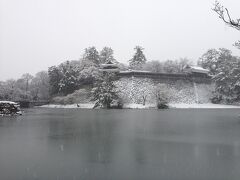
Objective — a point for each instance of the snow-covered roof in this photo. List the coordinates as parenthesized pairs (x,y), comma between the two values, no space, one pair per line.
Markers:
(8,102)
(109,70)
(128,71)
(109,65)
(197,69)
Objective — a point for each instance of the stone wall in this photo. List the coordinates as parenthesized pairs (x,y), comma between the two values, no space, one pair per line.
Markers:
(178,89)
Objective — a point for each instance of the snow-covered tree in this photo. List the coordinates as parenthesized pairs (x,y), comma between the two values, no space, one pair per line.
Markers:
(69,80)
(170,66)
(144,92)
(6,90)
(122,66)
(40,86)
(55,77)
(89,75)
(104,94)
(64,79)
(209,60)
(106,55)
(91,57)
(183,62)
(138,59)
(14,90)
(225,69)
(153,66)
(176,66)
(213,58)
(227,80)
(89,68)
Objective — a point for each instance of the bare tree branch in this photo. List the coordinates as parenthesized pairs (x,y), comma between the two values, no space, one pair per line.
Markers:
(237,44)
(221,11)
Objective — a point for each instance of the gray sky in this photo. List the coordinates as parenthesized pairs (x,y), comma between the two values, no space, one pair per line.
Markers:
(36,34)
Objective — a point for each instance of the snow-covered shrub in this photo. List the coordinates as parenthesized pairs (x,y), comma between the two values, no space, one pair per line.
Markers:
(58,100)
(78,96)
(161,96)
(216,98)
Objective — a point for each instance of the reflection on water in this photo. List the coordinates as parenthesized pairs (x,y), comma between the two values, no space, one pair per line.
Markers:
(120,144)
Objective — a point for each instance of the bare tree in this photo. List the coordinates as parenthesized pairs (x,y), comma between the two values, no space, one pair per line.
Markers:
(224,14)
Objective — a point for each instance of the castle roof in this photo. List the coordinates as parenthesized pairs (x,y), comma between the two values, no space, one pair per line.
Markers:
(196,69)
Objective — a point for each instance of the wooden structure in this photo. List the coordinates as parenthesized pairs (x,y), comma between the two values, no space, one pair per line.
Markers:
(196,70)
(167,77)
(109,67)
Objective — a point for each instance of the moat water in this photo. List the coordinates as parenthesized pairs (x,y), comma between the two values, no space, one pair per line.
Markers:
(181,144)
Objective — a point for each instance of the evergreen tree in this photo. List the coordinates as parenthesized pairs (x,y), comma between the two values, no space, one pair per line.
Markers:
(214,58)
(69,81)
(106,55)
(227,80)
(89,66)
(225,70)
(105,92)
(91,57)
(55,76)
(64,78)
(89,75)
(138,59)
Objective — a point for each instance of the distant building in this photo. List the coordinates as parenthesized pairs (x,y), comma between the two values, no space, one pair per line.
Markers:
(109,67)
(196,70)
(195,73)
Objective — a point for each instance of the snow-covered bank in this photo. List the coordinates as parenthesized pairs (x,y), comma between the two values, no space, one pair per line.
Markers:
(82,106)
(202,106)
(91,105)
(139,106)
(147,106)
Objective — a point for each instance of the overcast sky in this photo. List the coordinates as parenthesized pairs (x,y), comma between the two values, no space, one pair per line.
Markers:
(36,34)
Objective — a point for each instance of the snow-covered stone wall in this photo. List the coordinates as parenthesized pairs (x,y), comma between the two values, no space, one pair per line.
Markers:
(134,89)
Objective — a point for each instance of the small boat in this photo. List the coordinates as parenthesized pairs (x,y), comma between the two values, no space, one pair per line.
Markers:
(9,108)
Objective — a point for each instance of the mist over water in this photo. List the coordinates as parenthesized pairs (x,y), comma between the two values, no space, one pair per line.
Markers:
(121,144)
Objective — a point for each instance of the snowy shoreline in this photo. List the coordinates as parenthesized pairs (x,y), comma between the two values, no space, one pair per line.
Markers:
(148,106)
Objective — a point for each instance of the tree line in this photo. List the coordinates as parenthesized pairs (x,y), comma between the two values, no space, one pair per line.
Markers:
(26,88)
(69,76)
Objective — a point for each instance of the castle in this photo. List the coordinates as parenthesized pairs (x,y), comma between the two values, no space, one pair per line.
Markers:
(190,73)
(193,85)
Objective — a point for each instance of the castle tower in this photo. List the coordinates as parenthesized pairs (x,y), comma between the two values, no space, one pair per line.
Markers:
(109,67)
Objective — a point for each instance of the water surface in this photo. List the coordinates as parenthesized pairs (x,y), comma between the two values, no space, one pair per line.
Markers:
(180,144)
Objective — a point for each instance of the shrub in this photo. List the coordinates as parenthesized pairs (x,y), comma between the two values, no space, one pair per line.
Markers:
(117,104)
(79,96)
(161,105)
(161,96)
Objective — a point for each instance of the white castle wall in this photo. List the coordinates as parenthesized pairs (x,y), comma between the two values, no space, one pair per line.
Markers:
(132,90)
